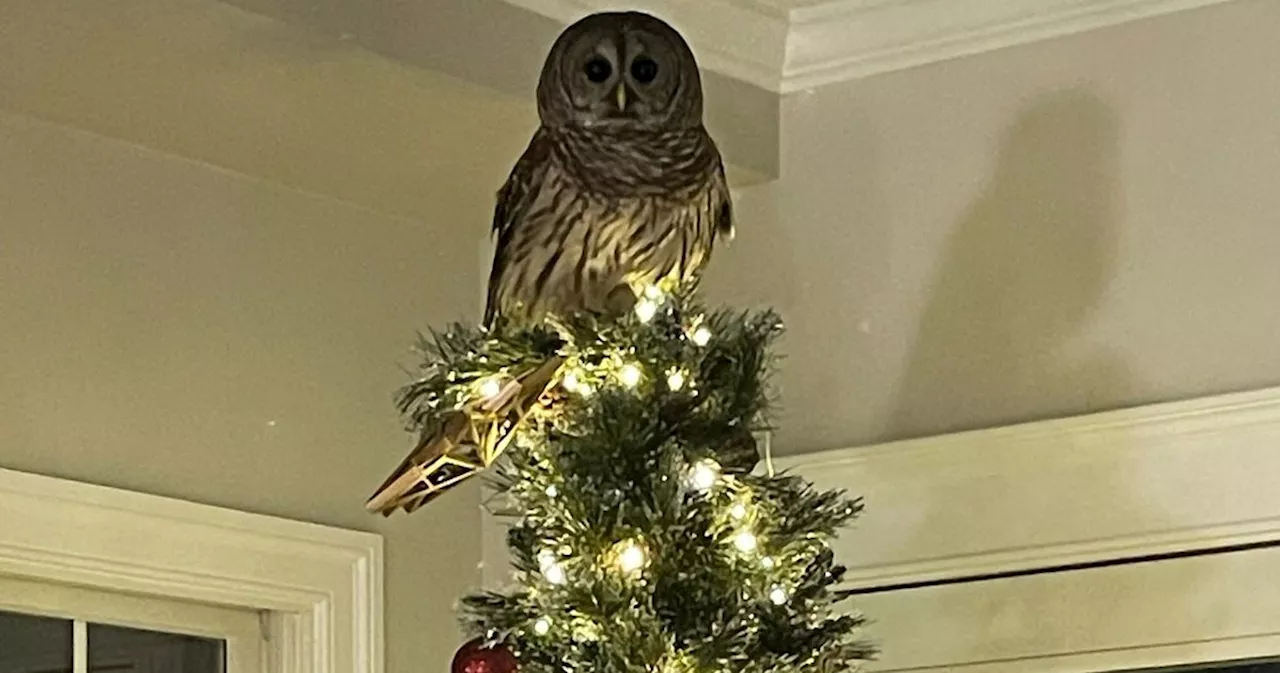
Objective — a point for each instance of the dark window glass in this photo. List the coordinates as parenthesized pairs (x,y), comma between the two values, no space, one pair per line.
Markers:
(31,644)
(1224,667)
(115,649)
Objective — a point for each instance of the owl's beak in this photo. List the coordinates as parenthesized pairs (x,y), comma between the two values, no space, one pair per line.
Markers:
(622,97)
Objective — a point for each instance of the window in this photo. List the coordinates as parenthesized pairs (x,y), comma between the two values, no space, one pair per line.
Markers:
(50,628)
(1144,539)
(131,580)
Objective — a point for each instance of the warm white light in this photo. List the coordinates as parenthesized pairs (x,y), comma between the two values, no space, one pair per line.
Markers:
(630,375)
(675,381)
(653,292)
(552,491)
(491,388)
(542,626)
(778,595)
(554,572)
(738,511)
(745,542)
(571,382)
(767,562)
(704,475)
(701,336)
(646,309)
(551,568)
(631,558)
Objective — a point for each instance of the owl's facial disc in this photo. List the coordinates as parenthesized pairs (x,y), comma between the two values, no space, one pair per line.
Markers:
(621,70)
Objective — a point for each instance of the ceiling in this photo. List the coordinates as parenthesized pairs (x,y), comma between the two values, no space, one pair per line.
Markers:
(359,100)
(794,45)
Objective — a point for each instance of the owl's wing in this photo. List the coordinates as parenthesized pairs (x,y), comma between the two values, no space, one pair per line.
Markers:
(514,199)
(723,215)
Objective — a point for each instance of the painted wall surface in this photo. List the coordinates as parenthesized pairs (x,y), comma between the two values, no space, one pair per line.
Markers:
(1064,227)
(1070,226)
(173,328)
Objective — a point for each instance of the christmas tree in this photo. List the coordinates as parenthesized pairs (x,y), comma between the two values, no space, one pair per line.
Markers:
(644,535)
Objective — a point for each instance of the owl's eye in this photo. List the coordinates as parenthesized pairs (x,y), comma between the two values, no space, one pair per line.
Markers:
(598,70)
(644,70)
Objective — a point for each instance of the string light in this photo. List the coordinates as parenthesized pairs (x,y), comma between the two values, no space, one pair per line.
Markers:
(554,573)
(778,595)
(646,309)
(571,382)
(551,568)
(630,375)
(745,542)
(701,336)
(675,380)
(491,388)
(552,491)
(768,562)
(542,627)
(704,475)
(738,511)
(631,557)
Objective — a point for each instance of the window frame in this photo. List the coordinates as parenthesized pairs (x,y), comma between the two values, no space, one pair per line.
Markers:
(1004,550)
(319,588)
(240,630)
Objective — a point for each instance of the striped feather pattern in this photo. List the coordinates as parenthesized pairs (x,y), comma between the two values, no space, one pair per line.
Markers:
(586,213)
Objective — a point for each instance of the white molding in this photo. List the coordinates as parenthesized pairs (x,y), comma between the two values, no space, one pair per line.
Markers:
(1194,610)
(738,38)
(322,585)
(1151,480)
(812,45)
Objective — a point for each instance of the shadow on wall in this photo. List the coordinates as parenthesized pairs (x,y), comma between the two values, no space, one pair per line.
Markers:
(1000,339)
(1003,340)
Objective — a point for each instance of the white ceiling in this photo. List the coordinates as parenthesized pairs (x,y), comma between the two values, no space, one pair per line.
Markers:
(791,45)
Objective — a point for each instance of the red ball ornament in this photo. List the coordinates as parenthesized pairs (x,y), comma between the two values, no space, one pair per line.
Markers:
(474,657)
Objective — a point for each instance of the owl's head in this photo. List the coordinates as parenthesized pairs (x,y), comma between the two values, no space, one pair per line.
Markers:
(620,70)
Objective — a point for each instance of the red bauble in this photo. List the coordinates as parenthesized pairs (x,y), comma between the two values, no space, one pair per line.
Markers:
(474,657)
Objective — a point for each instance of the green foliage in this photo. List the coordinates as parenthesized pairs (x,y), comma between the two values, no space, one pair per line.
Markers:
(736,577)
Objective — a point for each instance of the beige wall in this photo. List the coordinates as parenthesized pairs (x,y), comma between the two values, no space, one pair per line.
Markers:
(1046,230)
(174,328)
(1075,225)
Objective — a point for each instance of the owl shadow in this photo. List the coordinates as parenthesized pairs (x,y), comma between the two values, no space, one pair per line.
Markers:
(1003,339)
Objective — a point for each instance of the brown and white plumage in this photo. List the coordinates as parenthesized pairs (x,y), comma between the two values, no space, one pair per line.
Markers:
(620,186)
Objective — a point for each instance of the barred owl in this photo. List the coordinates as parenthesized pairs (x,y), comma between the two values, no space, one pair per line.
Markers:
(620,187)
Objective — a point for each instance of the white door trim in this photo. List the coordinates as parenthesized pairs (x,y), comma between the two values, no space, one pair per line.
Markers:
(320,586)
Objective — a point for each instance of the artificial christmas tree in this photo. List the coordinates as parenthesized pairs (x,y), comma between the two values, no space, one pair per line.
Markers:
(643,539)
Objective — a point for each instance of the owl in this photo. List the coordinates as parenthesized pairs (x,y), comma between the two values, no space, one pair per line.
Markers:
(620,187)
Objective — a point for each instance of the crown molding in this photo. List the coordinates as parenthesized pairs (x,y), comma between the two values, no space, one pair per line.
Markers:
(788,46)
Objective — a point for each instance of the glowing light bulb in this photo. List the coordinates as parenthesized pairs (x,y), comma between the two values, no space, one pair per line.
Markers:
(646,309)
(571,382)
(491,388)
(745,542)
(542,627)
(768,562)
(704,475)
(630,375)
(631,557)
(778,595)
(701,336)
(653,292)
(675,380)
(552,491)
(738,511)
(554,572)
